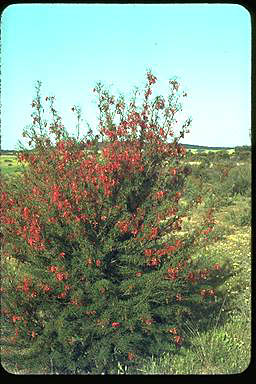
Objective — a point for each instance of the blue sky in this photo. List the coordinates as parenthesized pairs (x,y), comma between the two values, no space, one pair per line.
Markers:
(70,47)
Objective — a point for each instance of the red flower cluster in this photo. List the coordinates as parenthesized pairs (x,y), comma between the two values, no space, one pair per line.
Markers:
(172,273)
(61,276)
(207,292)
(16,318)
(207,231)
(116,324)
(156,254)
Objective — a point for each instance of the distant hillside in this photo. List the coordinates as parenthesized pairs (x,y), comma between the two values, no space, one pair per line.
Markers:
(204,147)
(187,146)
(8,151)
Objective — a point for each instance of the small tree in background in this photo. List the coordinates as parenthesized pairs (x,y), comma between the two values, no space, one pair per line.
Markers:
(94,270)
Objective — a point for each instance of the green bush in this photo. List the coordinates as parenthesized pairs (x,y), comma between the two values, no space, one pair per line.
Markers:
(221,182)
(244,156)
(201,172)
(94,273)
(238,181)
(222,155)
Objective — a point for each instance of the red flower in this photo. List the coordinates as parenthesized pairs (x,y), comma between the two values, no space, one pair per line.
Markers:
(62,295)
(134,232)
(12,202)
(60,205)
(151,78)
(26,213)
(149,92)
(171,248)
(90,312)
(177,196)
(153,233)
(173,171)
(52,220)
(116,324)
(172,273)
(53,268)
(89,261)
(178,339)
(191,277)
(55,196)
(46,288)
(67,287)
(33,334)
(74,301)
(161,252)
(199,199)
(60,276)
(131,356)
(159,194)
(31,241)
(148,252)
(26,284)
(65,214)
(211,292)
(4,196)
(16,318)
(98,263)
(123,226)
(205,231)
(154,261)
(203,274)
(178,243)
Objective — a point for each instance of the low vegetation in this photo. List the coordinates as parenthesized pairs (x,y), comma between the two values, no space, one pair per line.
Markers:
(222,344)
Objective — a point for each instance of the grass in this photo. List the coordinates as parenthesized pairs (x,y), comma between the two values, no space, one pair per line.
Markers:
(222,343)
(219,351)
(9,165)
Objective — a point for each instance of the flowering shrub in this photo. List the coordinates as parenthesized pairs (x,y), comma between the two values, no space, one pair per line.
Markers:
(94,271)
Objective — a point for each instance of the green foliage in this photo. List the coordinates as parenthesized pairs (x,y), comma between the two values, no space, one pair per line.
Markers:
(238,181)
